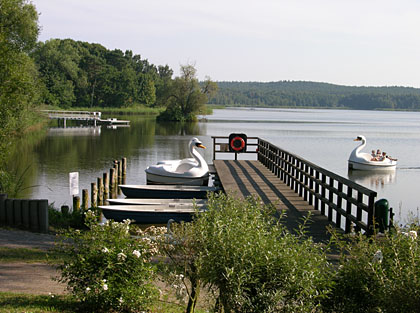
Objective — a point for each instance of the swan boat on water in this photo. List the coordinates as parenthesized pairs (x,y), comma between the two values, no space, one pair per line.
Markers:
(191,171)
(364,161)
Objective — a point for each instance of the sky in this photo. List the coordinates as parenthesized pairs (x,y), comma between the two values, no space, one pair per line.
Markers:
(345,42)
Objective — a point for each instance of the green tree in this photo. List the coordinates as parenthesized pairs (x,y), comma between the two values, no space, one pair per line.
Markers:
(19,88)
(187,97)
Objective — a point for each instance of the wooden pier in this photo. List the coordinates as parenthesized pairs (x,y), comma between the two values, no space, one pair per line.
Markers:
(94,117)
(296,186)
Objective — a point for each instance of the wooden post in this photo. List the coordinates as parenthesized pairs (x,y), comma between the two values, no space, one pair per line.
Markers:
(119,172)
(17,212)
(25,214)
(93,195)
(124,166)
(3,198)
(43,215)
(9,212)
(65,209)
(100,191)
(106,187)
(33,215)
(112,182)
(76,203)
(85,199)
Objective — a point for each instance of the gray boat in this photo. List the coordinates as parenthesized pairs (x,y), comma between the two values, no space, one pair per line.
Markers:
(151,214)
(167,191)
(132,201)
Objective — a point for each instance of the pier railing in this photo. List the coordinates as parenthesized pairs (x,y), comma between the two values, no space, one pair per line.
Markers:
(72,115)
(345,203)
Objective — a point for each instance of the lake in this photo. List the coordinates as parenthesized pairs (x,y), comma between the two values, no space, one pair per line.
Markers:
(324,137)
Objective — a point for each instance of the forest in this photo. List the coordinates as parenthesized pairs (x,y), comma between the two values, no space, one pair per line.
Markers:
(316,95)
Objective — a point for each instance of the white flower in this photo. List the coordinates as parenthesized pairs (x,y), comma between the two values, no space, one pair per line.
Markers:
(121,256)
(121,300)
(413,234)
(136,253)
(378,257)
(87,289)
(104,280)
(105,286)
(105,250)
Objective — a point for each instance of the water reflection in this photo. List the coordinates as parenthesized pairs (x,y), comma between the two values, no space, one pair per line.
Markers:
(372,179)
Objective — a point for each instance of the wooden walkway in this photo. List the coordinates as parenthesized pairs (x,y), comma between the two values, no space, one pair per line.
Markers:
(244,178)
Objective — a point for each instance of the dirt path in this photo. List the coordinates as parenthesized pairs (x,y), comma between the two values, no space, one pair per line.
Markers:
(33,278)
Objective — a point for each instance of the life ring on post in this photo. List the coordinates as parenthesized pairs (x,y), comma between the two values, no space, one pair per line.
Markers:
(237,142)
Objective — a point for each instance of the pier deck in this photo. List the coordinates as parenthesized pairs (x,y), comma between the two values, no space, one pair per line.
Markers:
(245,178)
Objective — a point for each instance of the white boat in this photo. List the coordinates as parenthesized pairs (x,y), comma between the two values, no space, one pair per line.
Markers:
(191,171)
(364,161)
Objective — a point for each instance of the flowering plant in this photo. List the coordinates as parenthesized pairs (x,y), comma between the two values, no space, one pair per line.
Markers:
(107,268)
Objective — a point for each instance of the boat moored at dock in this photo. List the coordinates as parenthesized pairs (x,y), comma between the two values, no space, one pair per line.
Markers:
(167,191)
(150,214)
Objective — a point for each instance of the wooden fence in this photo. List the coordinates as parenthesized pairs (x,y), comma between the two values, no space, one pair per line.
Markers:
(23,213)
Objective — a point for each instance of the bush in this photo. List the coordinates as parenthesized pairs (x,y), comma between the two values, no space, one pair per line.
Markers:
(378,274)
(107,269)
(240,248)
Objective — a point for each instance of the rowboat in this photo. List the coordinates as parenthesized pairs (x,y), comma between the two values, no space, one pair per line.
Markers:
(131,201)
(166,191)
(150,214)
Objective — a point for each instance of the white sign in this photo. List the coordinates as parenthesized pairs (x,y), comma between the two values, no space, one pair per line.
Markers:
(74,183)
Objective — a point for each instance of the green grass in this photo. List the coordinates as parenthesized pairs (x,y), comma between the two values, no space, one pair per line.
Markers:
(26,255)
(12,302)
(18,302)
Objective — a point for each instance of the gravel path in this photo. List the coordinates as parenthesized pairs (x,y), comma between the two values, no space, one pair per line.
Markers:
(33,278)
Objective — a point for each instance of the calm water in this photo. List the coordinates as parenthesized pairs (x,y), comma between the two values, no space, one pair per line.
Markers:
(324,137)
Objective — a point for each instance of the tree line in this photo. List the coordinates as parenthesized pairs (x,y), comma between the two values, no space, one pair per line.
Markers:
(316,95)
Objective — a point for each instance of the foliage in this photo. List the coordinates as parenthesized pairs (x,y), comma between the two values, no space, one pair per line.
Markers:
(187,97)
(19,87)
(82,74)
(64,219)
(107,268)
(378,274)
(316,95)
(18,76)
(256,265)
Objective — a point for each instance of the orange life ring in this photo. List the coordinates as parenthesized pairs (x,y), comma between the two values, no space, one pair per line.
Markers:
(234,147)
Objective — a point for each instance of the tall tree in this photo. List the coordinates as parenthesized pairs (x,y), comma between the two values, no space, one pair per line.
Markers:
(187,97)
(18,76)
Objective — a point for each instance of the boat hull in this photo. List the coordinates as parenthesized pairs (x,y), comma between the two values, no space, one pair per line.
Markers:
(149,214)
(131,201)
(174,180)
(166,191)
(372,166)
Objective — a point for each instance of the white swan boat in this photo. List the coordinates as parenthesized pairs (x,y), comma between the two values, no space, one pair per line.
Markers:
(364,161)
(191,171)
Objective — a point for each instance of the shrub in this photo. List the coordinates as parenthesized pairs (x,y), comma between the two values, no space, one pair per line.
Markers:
(240,248)
(378,274)
(107,269)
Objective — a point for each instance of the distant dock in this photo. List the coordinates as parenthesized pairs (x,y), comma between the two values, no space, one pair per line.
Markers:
(94,117)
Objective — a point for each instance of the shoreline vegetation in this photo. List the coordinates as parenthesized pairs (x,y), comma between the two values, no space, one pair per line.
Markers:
(120,267)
